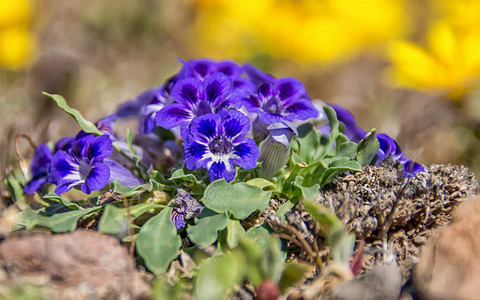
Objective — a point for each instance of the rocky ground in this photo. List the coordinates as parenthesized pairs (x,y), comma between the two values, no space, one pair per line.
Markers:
(413,244)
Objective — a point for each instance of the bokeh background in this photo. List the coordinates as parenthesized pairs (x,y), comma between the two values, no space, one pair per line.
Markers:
(410,68)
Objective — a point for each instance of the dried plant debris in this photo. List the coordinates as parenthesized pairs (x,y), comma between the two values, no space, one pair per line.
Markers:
(365,199)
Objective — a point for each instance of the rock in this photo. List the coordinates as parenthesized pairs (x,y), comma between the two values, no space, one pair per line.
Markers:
(81,265)
(383,282)
(450,264)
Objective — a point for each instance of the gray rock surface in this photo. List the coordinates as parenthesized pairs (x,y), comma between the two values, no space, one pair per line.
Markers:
(81,265)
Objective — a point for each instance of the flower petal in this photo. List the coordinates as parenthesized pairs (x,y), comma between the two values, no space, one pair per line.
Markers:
(97,178)
(236,125)
(64,169)
(266,91)
(217,87)
(122,174)
(81,144)
(65,187)
(34,185)
(64,143)
(41,159)
(178,219)
(411,168)
(100,148)
(289,87)
(193,154)
(257,76)
(229,68)
(173,115)
(301,109)
(205,128)
(218,170)
(247,153)
(187,91)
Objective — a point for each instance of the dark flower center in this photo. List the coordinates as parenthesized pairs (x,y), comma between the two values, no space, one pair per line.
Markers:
(220,145)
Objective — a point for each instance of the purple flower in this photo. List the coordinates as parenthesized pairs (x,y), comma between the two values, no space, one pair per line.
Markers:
(281,101)
(217,143)
(411,168)
(201,68)
(157,99)
(39,169)
(194,98)
(185,208)
(256,76)
(86,164)
(389,147)
(83,165)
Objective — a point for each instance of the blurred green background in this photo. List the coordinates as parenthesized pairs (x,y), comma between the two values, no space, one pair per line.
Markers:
(409,68)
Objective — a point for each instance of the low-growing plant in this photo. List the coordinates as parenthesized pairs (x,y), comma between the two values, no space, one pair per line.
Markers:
(216,143)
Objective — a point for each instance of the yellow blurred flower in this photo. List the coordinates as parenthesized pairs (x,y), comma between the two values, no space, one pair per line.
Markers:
(462,14)
(17,42)
(321,31)
(450,63)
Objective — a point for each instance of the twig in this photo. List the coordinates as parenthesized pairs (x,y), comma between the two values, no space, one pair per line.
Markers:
(17,147)
(298,235)
(287,237)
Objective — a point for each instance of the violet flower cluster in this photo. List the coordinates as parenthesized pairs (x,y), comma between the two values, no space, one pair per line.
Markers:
(82,161)
(220,110)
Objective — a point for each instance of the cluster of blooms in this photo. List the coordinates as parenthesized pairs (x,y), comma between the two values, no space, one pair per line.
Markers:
(84,161)
(219,108)
(221,111)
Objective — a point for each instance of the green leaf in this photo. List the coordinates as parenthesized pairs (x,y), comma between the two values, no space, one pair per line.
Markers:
(307,193)
(347,149)
(367,148)
(125,190)
(259,235)
(334,130)
(61,222)
(292,273)
(114,220)
(130,138)
(287,206)
(342,244)
(54,197)
(262,183)
(218,275)
(207,225)
(86,126)
(307,144)
(239,199)
(157,242)
(321,214)
(272,260)
(339,165)
(235,233)
(16,189)
(179,174)
(337,236)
